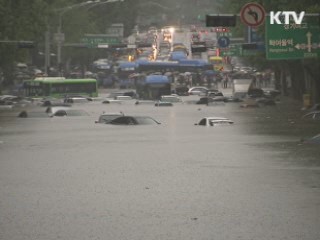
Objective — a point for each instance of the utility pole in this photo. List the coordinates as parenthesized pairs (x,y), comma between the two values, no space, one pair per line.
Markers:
(47,51)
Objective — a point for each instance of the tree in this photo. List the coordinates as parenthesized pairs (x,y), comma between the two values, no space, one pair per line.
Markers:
(19,20)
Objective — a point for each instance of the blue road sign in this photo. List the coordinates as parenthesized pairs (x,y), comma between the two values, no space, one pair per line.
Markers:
(223,42)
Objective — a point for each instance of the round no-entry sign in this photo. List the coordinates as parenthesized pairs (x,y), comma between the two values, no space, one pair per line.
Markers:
(252,14)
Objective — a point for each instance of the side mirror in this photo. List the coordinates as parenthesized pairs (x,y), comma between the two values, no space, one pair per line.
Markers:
(96,121)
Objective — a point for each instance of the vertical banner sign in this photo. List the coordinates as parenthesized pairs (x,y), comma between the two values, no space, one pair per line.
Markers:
(293,41)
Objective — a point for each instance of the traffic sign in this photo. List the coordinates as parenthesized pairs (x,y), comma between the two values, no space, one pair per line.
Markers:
(59,37)
(94,40)
(224,34)
(293,41)
(103,46)
(231,51)
(223,42)
(241,50)
(252,14)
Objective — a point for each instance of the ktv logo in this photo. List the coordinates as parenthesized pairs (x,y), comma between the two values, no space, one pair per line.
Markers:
(284,17)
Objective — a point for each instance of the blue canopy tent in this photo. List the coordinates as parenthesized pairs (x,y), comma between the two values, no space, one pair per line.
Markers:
(157,79)
(154,87)
(124,71)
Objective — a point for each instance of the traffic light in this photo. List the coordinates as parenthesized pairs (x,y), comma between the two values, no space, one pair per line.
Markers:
(221,20)
(249,46)
(198,49)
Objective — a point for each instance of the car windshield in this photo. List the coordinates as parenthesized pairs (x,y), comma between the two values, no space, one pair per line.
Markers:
(146,120)
(108,118)
(202,122)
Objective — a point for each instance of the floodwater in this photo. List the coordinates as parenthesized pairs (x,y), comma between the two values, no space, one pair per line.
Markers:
(69,178)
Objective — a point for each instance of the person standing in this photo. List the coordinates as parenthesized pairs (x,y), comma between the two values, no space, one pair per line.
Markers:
(225,81)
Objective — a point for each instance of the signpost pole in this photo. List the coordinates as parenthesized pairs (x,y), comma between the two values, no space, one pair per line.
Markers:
(249,34)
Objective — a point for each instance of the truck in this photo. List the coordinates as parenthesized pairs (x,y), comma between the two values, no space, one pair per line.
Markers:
(241,87)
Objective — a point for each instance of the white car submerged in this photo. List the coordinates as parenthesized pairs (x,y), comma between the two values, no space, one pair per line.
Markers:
(214,121)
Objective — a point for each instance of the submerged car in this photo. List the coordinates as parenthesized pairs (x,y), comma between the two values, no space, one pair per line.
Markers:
(116,95)
(182,90)
(214,94)
(163,104)
(198,90)
(214,121)
(69,112)
(58,112)
(170,98)
(134,120)
(123,98)
(147,102)
(208,100)
(249,103)
(314,115)
(313,140)
(77,100)
(108,117)
(53,109)
(61,111)
(46,102)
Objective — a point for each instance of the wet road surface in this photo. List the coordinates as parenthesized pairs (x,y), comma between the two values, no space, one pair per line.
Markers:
(69,178)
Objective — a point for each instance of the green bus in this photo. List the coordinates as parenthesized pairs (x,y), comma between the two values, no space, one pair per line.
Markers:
(60,87)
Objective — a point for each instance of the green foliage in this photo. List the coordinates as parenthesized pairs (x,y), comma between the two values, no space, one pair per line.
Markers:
(19,20)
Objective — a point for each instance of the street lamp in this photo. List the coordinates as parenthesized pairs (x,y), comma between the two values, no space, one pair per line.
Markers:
(59,35)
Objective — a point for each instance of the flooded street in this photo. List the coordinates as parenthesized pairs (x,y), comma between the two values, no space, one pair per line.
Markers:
(69,178)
